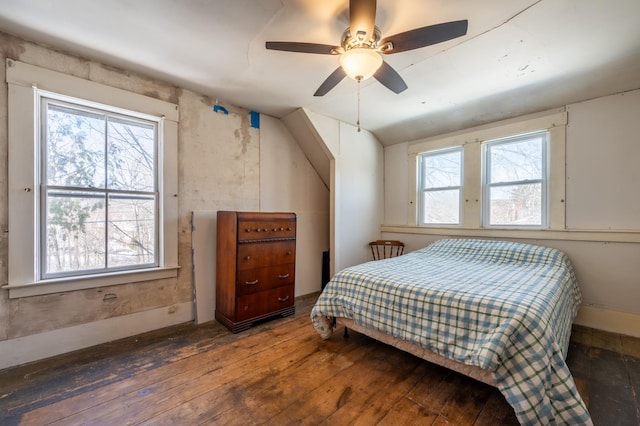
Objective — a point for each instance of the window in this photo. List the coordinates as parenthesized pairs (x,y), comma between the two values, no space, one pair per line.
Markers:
(92,184)
(515,181)
(98,190)
(440,180)
(509,176)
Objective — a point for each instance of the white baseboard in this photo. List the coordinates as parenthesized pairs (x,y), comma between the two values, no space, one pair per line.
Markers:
(611,321)
(39,346)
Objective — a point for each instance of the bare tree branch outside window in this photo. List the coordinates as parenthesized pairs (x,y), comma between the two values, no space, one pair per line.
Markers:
(440,187)
(516,175)
(100,193)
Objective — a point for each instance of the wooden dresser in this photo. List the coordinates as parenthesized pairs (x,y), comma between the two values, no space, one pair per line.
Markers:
(255,267)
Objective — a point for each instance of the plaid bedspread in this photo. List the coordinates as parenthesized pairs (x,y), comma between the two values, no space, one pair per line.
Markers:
(505,307)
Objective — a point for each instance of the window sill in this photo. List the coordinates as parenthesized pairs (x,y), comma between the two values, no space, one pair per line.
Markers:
(62,285)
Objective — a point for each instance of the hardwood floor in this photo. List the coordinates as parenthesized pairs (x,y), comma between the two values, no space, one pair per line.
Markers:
(281,372)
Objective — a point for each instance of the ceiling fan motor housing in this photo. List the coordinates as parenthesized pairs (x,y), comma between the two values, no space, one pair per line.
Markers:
(350,41)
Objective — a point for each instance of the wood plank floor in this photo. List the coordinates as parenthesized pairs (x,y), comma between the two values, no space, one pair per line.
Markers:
(280,372)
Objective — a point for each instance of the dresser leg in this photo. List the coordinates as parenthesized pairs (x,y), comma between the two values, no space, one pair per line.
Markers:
(346,333)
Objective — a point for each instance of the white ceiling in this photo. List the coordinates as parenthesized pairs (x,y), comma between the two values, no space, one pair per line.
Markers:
(519,56)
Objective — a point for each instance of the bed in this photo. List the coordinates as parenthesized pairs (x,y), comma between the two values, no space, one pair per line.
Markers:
(498,311)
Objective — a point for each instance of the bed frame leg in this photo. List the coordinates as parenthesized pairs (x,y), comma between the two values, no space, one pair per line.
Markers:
(346,333)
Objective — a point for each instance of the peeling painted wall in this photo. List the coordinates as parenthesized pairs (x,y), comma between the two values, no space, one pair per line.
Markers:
(8,47)
(32,315)
(219,154)
(218,167)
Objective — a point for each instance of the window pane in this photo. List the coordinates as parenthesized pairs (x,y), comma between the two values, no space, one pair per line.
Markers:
(131,231)
(516,204)
(75,147)
(516,161)
(131,155)
(75,234)
(112,225)
(442,170)
(441,207)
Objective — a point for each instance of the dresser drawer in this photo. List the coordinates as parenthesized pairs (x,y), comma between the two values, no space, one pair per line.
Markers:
(264,302)
(262,230)
(257,255)
(259,279)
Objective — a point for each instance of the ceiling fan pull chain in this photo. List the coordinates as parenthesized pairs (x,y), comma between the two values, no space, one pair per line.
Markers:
(358,122)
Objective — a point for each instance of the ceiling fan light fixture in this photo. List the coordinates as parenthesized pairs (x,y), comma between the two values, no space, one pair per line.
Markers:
(360,63)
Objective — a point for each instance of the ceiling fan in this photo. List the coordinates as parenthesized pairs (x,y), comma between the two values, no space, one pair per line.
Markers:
(362,45)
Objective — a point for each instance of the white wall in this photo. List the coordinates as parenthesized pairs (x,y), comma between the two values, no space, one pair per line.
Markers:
(603,163)
(361,202)
(289,183)
(357,188)
(396,188)
(602,235)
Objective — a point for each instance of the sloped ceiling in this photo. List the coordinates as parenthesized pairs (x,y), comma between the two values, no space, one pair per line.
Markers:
(518,57)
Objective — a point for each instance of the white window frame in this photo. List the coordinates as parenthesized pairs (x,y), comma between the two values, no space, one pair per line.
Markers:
(544,180)
(554,122)
(422,190)
(25,82)
(46,98)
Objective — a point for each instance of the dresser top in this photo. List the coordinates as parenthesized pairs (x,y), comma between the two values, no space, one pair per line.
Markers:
(256,216)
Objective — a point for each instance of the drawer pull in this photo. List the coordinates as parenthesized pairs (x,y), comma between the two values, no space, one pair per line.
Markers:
(247,258)
(254,282)
(288,229)
(283,299)
(247,230)
(288,252)
(283,276)
(282,229)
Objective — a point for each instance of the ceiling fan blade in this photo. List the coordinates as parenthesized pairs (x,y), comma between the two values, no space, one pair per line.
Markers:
(362,17)
(331,82)
(292,46)
(425,36)
(390,78)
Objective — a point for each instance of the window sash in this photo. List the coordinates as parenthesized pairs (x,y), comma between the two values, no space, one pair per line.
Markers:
(103,190)
(425,190)
(427,213)
(488,186)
